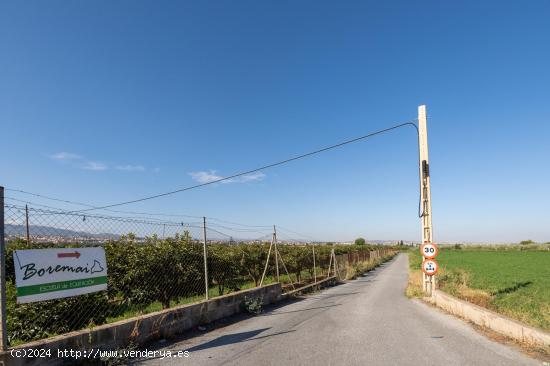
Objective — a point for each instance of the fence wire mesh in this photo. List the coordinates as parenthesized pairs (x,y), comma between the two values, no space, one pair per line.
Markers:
(152,265)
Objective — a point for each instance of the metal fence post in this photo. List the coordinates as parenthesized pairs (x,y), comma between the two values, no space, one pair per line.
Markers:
(3,329)
(205,258)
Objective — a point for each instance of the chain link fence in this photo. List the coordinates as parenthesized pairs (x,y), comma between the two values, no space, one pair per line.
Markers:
(152,265)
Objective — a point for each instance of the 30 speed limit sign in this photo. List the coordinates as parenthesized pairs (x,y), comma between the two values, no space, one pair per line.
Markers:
(430,267)
(429,250)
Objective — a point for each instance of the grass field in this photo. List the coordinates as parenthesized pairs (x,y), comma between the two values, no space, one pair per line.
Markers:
(512,282)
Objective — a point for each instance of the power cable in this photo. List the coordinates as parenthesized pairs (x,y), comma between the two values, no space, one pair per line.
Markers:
(279,227)
(106,207)
(331,147)
(95,207)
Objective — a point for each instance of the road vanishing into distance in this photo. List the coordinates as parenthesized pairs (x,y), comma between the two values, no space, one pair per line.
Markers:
(368,321)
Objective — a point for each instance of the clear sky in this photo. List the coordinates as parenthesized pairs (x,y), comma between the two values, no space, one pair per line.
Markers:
(105,101)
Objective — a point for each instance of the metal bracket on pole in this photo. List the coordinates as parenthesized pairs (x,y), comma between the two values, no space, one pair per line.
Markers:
(425,192)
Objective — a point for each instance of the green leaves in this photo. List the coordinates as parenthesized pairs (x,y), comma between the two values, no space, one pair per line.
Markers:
(149,274)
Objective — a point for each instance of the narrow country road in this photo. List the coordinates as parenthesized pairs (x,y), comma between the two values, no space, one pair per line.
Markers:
(368,321)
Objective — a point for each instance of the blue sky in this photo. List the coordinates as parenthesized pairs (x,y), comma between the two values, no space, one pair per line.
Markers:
(108,101)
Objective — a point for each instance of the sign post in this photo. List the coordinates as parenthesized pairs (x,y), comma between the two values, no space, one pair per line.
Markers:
(46,274)
(425,192)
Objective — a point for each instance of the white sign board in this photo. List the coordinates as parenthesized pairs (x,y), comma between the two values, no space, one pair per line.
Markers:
(430,267)
(45,274)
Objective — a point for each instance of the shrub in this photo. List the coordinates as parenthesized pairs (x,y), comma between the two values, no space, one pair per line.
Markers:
(253,257)
(157,270)
(147,274)
(360,241)
(46,318)
(224,267)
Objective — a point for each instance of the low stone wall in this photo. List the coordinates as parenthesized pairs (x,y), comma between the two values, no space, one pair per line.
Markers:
(489,319)
(330,281)
(163,324)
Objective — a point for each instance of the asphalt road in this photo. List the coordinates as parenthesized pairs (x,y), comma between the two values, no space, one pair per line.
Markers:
(368,321)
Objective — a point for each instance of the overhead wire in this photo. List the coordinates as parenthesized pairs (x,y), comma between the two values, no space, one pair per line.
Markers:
(279,227)
(255,170)
(285,161)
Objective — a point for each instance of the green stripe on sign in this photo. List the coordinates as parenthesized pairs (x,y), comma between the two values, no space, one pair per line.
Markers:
(60,286)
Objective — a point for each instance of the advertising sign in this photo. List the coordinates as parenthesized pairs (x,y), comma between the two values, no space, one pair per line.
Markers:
(45,274)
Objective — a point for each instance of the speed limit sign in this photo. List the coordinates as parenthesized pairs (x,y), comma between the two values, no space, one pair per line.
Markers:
(430,267)
(429,250)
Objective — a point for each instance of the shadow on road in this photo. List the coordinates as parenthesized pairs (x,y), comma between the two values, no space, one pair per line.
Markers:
(215,325)
(297,311)
(323,296)
(224,340)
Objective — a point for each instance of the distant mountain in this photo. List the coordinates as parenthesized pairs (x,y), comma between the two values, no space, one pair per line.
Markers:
(37,230)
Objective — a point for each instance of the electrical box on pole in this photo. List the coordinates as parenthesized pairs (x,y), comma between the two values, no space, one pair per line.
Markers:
(425,193)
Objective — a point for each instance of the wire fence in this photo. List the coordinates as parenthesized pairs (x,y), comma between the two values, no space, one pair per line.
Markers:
(155,264)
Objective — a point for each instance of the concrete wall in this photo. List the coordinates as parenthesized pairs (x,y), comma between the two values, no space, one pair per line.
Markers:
(139,330)
(330,281)
(489,319)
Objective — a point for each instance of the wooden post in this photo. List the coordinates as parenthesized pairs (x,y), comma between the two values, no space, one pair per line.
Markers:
(286,270)
(267,259)
(425,192)
(3,329)
(276,253)
(336,272)
(329,264)
(314,269)
(205,257)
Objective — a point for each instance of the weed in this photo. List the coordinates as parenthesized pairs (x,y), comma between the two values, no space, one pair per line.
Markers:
(253,305)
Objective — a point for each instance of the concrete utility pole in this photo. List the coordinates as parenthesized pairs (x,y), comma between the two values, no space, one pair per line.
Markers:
(425,193)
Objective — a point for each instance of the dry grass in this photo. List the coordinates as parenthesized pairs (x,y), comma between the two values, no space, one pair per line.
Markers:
(456,283)
(358,269)
(414,285)
(478,297)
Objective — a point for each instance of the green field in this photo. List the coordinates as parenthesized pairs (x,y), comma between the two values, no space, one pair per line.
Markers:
(512,282)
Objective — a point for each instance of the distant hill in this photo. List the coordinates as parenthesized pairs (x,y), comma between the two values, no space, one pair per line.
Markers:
(37,230)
